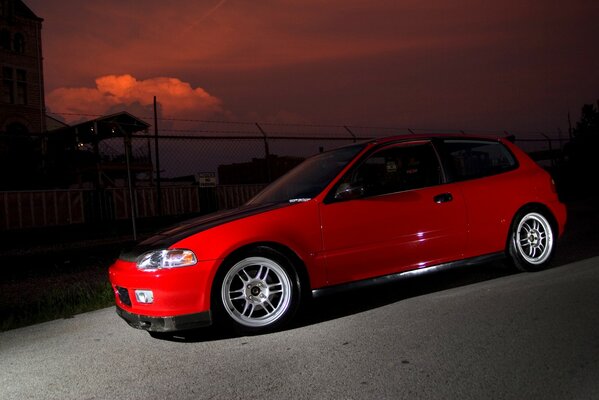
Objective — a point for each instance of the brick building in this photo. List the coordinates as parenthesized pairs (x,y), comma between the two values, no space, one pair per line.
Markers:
(22,106)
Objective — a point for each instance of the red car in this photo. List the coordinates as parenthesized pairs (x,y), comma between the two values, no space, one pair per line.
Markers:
(362,214)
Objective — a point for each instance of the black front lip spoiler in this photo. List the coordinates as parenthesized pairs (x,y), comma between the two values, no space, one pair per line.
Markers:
(166,324)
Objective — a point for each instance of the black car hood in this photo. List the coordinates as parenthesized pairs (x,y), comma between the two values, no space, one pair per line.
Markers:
(175,233)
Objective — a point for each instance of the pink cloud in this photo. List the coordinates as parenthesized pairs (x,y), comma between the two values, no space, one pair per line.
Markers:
(176,98)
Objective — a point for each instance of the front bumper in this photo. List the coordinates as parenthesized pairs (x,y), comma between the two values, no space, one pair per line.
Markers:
(166,324)
(176,292)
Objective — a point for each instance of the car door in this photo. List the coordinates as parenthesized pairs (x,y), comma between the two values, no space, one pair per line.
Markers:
(391,213)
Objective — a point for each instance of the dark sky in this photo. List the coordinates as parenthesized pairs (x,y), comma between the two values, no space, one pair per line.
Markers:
(460,64)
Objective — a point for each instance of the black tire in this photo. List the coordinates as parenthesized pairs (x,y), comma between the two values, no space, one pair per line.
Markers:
(531,241)
(257,291)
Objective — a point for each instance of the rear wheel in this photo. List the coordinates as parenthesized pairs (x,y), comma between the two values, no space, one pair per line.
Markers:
(258,292)
(532,242)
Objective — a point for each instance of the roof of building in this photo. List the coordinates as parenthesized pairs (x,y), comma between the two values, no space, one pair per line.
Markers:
(114,125)
(20,9)
(53,124)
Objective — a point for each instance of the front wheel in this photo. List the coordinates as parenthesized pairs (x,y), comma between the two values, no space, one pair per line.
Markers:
(259,292)
(531,243)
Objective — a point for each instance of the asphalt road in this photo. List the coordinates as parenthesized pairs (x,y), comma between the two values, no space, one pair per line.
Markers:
(457,335)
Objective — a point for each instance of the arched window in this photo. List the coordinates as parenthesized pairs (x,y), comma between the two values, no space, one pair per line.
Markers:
(19,43)
(4,39)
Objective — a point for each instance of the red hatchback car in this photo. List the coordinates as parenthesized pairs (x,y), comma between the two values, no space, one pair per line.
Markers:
(362,214)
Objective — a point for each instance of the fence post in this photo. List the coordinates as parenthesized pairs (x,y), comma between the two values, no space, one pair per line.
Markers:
(96,144)
(127,141)
(351,133)
(550,149)
(266,152)
(157,156)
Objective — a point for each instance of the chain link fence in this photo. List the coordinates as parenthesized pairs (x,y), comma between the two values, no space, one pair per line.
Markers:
(208,166)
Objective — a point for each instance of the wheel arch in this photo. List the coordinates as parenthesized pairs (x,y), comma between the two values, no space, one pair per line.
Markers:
(296,262)
(533,207)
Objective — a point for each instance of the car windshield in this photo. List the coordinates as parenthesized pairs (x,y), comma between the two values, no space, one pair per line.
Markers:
(309,178)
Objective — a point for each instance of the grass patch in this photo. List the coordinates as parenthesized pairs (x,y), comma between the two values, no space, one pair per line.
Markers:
(54,292)
(63,302)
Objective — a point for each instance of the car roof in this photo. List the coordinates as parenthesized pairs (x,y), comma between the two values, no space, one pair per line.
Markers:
(428,136)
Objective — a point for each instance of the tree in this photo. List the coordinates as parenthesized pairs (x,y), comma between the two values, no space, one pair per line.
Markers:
(581,154)
(587,129)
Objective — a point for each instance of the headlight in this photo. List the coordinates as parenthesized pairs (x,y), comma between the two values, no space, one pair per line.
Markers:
(160,259)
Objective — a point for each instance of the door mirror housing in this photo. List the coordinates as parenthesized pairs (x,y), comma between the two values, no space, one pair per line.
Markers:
(345,191)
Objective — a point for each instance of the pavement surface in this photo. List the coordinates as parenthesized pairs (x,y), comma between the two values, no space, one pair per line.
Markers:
(483,332)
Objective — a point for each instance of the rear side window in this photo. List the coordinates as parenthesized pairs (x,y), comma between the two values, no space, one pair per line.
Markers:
(470,159)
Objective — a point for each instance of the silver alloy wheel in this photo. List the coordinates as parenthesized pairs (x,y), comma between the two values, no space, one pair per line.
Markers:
(256,292)
(534,238)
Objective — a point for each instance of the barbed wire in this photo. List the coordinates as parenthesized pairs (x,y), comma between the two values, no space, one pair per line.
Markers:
(346,128)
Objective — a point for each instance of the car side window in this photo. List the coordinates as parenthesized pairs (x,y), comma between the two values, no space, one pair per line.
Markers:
(392,169)
(477,158)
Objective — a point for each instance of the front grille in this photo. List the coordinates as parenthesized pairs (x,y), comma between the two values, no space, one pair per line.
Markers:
(124,296)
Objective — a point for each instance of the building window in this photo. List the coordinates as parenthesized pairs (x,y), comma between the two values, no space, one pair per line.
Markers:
(14,86)
(8,87)
(21,97)
(4,39)
(19,43)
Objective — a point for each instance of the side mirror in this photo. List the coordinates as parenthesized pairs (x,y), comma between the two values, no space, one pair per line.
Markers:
(348,192)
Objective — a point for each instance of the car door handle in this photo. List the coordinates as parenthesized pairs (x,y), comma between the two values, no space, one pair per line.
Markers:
(443,198)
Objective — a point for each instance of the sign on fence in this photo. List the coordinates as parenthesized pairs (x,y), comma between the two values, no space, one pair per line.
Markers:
(207,179)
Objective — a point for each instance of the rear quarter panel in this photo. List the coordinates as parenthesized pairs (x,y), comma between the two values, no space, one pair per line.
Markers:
(493,202)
